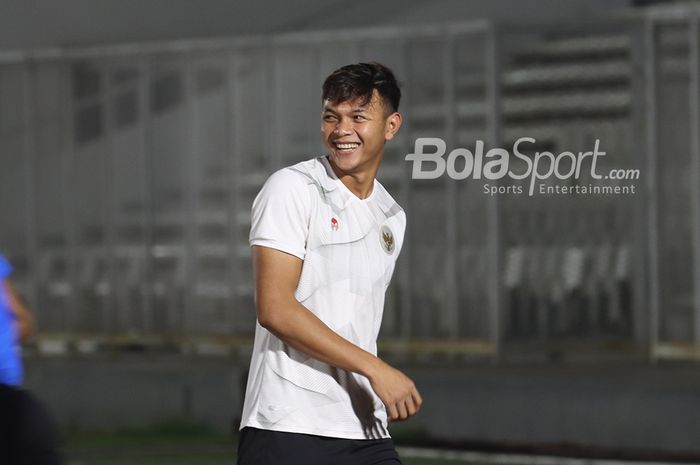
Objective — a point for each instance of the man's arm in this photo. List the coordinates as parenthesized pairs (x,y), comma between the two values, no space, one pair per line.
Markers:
(24,318)
(276,278)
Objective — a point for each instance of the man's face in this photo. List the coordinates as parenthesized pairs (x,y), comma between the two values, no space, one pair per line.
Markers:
(355,134)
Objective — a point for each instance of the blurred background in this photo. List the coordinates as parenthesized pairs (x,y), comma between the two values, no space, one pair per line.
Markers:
(135,135)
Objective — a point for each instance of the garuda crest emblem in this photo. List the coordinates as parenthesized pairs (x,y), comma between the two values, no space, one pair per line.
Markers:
(386,238)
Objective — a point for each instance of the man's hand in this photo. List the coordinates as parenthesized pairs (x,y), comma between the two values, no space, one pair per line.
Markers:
(397,391)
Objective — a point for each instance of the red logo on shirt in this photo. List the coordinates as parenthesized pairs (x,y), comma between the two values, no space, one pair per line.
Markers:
(334,224)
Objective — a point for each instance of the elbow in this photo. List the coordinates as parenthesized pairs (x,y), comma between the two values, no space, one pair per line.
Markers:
(25,326)
(266,320)
(27,330)
(273,324)
(277,317)
(274,308)
(268,317)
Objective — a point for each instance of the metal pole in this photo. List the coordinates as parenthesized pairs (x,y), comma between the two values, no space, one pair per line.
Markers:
(146,191)
(493,96)
(192,189)
(30,154)
(639,262)
(450,319)
(68,169)
(694,93)
(405,271)
(233,152)
(272,107)
(652,186)
(109,203)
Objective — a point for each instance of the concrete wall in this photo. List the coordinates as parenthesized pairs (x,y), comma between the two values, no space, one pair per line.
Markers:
(105,392)
(615,406)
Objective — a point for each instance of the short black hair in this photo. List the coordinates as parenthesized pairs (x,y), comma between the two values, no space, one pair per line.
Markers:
(359,81)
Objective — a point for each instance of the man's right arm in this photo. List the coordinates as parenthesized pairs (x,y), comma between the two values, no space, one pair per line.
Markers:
(276,278)
(25,321)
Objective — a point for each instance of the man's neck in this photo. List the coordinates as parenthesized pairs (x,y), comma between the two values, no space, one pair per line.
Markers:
(360,183)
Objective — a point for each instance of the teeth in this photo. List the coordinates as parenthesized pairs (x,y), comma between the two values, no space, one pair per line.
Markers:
(347,146)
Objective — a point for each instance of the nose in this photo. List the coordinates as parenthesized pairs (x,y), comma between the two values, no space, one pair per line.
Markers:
(344,126)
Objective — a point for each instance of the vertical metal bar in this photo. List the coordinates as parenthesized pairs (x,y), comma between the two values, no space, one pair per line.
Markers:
(694,93)
(233,152)
(639,263)
(192,188)
(30,153)
(494,247)
(406,269)
(67,171)
(146,192)
(272,107)
(108,199)
(450,318)
(652,185)
(314,143)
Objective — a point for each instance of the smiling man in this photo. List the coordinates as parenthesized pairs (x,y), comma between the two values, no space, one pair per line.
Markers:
(325,236)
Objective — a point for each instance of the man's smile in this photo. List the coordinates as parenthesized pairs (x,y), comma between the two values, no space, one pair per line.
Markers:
(345,148)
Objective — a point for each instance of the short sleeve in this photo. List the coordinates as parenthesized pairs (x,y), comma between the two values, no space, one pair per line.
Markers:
(5,267)
(280,214)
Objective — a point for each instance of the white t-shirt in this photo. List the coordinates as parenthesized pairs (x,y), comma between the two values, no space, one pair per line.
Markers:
(349,247)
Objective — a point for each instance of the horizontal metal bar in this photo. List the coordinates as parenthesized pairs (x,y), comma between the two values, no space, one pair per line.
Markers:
(226,43)
(672,13)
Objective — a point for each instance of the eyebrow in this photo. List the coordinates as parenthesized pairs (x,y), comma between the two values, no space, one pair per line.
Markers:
(354,110)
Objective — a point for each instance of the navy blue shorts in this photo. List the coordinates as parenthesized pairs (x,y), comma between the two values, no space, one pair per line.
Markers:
(27,432)
(264,447)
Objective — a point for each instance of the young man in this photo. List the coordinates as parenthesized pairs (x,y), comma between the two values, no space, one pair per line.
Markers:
(27,434)
(16,325)
(325,237)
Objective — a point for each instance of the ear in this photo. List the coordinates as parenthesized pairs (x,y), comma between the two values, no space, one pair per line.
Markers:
(393,123)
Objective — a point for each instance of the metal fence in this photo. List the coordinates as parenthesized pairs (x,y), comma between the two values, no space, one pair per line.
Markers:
(128,173)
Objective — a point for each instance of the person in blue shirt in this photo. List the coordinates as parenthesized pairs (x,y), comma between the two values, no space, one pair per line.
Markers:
(27,432)
(16,325)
